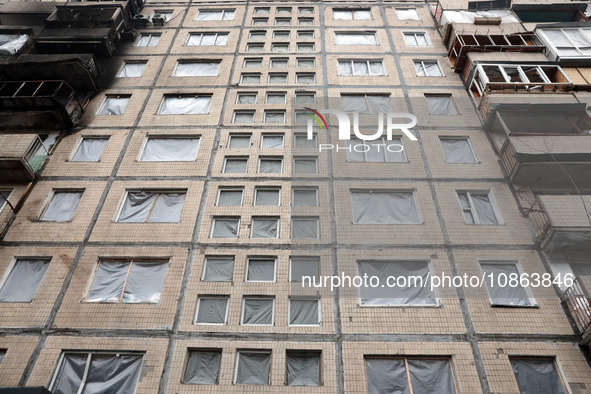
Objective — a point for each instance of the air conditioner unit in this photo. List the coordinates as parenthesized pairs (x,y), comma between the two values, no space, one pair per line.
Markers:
(141,20)
(158,19)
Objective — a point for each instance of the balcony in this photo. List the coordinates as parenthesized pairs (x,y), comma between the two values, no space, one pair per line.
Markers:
(88,15)
(21,157)
(578,301)
(100,41)
(38,105)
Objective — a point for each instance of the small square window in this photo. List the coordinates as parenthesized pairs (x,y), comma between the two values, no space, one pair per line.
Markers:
(255,47)
(218,269)
(272,141)
(305,98)
(304,311)
(132,70)
(407,14)
(246,98)
(253,367)
(260,21)
(307,78)
(305,47)
(479,207)
(306,62)
(305,21)
(537,374)
(304,197)
(239,141)
(270,165)
(305,10)
(253,63)
(413,39)
(283,10)
(304,266)
(279,63)
(305,227)
(235,165)
(274,117)
(305,34)
(23,280)
(89,149)
(62,206)
(440,104)
(276,47)
(278,78)
(225,227)
(276,98)
(303,368)
(250,78)
(243,117)
(283,21)
(261,269)
(258,311)
(427,68)
(257,34)
(113,105)
(305,165)
(267,196)
(281,34)
(212,310)
(228,197)
(457,150)
(147,40)
(203,367)
(301,141)
(261,10)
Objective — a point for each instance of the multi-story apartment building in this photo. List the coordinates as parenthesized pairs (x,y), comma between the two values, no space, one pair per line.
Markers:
(161,202)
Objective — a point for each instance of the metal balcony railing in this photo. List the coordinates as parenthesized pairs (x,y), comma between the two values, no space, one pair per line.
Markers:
(578,301)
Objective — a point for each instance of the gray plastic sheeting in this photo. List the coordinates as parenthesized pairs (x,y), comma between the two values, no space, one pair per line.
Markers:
(62,206)
(23,281)
(267,197)
(170,149)
(507,295)
(90,149)
(212,310)
(225,228)
(10,44)
(384,207)
(537,376)
(218,269)
(389,376)
(253,368)
(230,198)
(265,228)
(304,312)
(457,150)
(258,311)
(203,367)
(305,198)
(304,228)
(441,105)
(303,369)
(261,270)
(304,266)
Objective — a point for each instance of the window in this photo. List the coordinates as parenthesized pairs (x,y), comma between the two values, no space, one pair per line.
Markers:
(381,150)
(207,39)
(270,165)
(305,10)
(366,103)
(2,354)
(243,117)
(225,227)
(261,10)
(412,39)
(457,150)
(361,68)
(279,62)
(4,194)
(184,105)
(272,141)
(218,269)
(305,227)
(250,78)
(265,227)
(440,104)
(283,10)
(252,367)
(305,98)
(362,14)
(264,196)
(407,14)
(282,21)
(113,105)
(277,78)
(253,63)
(274,117)
(304,197)
(196,69)
(257,34)
(90,149)
(203,367)
(246,98)
(276,47)
(132,70)
(258,311)
(537,375)
(147,40)
(228,197)
(427,68)
(24,279)
(260,269)
(569,42)
(235,165)
(421,375)
(305,165)
(127,282)
(80,372)
(305,34)
(384,207)
(276,98)
(303,368)
(305,21)
(306,62)
(300,267)
(300,117)
(410,291)
(151,207)
(258,47)
(356,39)
(239,141)
(215,15)
(260,21)
(304,311)
(170,149)
(62,206)
(281,34)
(508,295)
(212,310)
(305,47)
(479,207)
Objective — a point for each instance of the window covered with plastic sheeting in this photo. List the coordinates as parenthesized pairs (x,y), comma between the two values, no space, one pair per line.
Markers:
(367,103)
(356,39)
(235,165)
(305,227)
(225,228)
(113,105)
(363,14)
(261,269)
(361,68)
(215,15)
(499,273)
(407,14)
(258,311)
(62,206)
(196,69)
(218,269)
(301,141)
(246,98)
(537,375)
(2,354)
(24,280)
(304,266)
(271,141)
(276,47)
(243,117)
(428,68)
(478,208)
(409,375)
(152,207)
(457,150)
(229,197)
(441,105)
(97,373)
(170,149)
(147,40)
(304,197)
(276,98)
(305,78)
(305,98)
(274,117)
(207,39)
(253,63)
(4,194)
(303,368)
(193,105)
(381,150)
(384,207)
(132,70)
(90,149)
(267,197)
(277,78)
(265,227)
(239,141)
(304,312)
(212,310)
(575,42)
(252,367)
(250,78)
(411,283)
(270,165)
(127,282)
(203,367)
(10,44)
(412,39)
(305,165)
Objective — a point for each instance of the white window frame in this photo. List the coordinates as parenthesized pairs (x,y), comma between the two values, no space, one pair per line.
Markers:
(369,74)
(253,112)
(242,75)
(446,95)
(252,59)
(50,198)
(256,9)
(235,158)
(587,35)
(436,62)
(126,62)
(274,112)
(300,32)
(217,34)
(273,135)
(280,11)
(300,9)
(229,189)
(317,258)
(276,218)
(276,45)
(196,61)
(281,21)
(165,96)
(274,158)
(115,96)
(313,59)
(383,140)
(316,218)
(284,94)
(259,21)
(212,297)
(239,135)
(215,218)
(229,257)
(454,137)
(168,137)
(306,74)
(266,258)
(312,94)
(415,34)
(520,272)
(299,45)
(278,74)
(360,33)
(266,188)
(305,188)
(257,298)
(314,138)
(158,192)
(472,209)
(75,150)
(275,59)
(282,32)
(306,19)
(250,36)
(240,351)
(159,35)
(223,11)
(305,157)
(352,11)
(304,298)
(247,94)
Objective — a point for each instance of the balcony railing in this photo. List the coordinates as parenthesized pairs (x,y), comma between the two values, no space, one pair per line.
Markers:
(578,301)
(21,157)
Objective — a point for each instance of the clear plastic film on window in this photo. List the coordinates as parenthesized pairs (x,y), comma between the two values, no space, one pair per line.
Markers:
(24,280)
(62,206)
(384,207)
(132,70)
(218,269)
(203,367)
(170,149)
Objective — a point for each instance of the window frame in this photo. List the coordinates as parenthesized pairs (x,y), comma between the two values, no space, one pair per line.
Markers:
(222,10)
(282,21)
(215,218)
(466,138)
(278,59)
(222,257)
(407,9)
(373,33)
(239,135)
(263,135)
(246,94)
(50,198)
(75,151)
(115,96)
(554,359)
(377,190)
(517,264)
(415,34)
(184,95)
(301,45)
(237,363)
(384,152)
(304,34)
(251,37)
(277,220)
(4,202)
(275,112)
(247,74)
(284,45)
(265,258)
(306,94)
(245,158)
(216,34)
(316,218)
(282,11)
(275,158)
(317,258)
(10,268)
(158,192)
(313,59)
(304,298)
(282,32)
(266,188)
(277,74)
(126,62)
(244,112)
(306,21)
(196,61)
(229,189)
(148,137)
(260,47)
(305,74)
(277,94)
(352,11)
(151,35)
(295,158)
(254,297)
(353,61)
(446,95)
(366,95)
(201,350)
(259,21)
(574,46)
(472,209)
(424,69)
(300,9)
(212,297)
(305,188)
